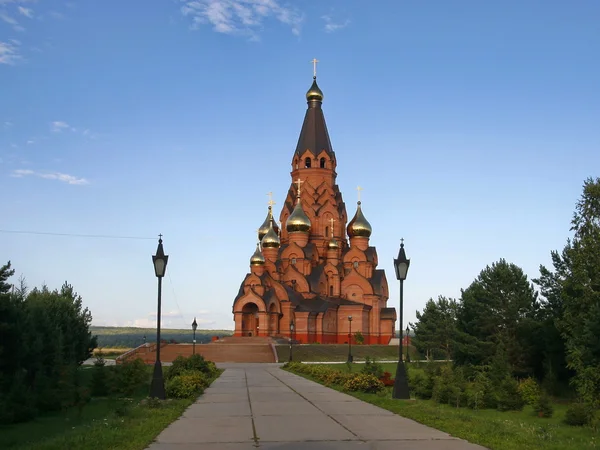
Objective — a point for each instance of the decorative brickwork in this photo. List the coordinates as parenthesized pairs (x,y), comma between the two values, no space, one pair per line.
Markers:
(316,268)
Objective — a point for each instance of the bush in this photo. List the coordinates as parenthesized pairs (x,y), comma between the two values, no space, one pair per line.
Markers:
(387,379)
(543,407)
(372,367)
(530,391)
(188,384)
(359,338)
(422,385)
(508,396)
(578,414)
(479,393)
(364,383)
(100,380)
(129,377)
(192,363)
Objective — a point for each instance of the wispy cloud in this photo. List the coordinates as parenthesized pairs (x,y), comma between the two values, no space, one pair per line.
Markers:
(9,52)
(27,12)
(331,26)
(240,17)
(11,21)
(8,124)
(58,126)
(56,15)
(65,178)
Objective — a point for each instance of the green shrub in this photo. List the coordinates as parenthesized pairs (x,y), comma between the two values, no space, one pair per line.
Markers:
(359,338)
(530,391)
(129,377)
(335,377)
(422,385)
(578,414)
(508,396)
(479,393)
(99,383)
(188,384)
(192,363)
(364,383)
(372,367)
(543,407)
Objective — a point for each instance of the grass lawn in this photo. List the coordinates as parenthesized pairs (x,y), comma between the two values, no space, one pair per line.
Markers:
(104,424)
(515,430)
(336,352)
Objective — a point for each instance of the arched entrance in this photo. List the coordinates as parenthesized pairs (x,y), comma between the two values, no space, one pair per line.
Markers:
(250,319)
(273,320)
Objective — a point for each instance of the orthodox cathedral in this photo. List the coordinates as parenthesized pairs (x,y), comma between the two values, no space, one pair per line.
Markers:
(315,277)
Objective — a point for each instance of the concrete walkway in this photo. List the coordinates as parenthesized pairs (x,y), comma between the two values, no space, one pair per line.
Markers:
(261,406)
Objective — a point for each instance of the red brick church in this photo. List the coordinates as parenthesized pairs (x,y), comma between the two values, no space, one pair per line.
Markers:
(315,270)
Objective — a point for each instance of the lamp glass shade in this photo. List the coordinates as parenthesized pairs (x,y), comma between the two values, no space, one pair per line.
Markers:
(160,266)
(350,318)
(194,325)
(401,270)
(292,326)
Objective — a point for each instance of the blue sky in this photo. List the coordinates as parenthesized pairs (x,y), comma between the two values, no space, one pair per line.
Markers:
(470,125)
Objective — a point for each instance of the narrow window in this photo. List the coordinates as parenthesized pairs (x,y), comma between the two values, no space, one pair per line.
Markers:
(356,264)
(293,261)
(331,291)
(326,231)
(307,163)
(322,163)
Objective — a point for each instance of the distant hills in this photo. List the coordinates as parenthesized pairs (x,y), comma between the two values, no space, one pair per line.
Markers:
(129,337)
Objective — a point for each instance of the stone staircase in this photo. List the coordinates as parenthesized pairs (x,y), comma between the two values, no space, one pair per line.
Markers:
(229,349)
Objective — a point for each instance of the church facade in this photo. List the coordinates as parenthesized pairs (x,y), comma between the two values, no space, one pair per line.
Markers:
(316,271)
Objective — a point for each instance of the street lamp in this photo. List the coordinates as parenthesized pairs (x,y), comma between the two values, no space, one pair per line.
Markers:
(350,359)
(407,354)
(194,327)
(291,336)
(401,382)
(157,388)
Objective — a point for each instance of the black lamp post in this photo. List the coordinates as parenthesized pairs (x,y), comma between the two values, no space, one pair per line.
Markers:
(350,358)
(291,336)
(194,328)
(401,382)
(407,354)
(157,388)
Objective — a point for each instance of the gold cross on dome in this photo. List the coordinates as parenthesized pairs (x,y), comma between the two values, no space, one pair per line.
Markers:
(332,220)
(299,183)
(358,188)
(315,61)
(270,202)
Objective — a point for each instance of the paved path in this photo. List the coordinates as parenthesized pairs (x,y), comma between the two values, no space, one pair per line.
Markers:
(261,406)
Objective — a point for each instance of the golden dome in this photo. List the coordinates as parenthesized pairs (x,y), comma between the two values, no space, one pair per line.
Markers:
(333,244)
(298,220)
(257,258)
(359,226)
(270,240)
(264,228)
(314,93)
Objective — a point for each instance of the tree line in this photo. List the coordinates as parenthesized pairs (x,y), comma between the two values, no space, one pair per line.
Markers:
(44,337)
(547,327)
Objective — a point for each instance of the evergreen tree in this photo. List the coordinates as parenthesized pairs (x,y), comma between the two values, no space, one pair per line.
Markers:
(499,306)
(436,327)
(573,290)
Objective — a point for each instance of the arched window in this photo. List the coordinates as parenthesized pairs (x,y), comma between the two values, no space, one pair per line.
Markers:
(293,261)
(322,163)
(307,163)
(331,291)
(356,264)
(326,231)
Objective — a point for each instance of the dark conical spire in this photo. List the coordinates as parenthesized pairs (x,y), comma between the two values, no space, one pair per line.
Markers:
(314,136)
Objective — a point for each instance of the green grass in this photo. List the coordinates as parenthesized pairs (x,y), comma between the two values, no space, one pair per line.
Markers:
(99,426)
(336,352)
(514,430)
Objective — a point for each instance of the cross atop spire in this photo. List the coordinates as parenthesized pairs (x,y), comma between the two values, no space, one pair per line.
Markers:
(315,61)
(358,188)
(299,183)
(270,202)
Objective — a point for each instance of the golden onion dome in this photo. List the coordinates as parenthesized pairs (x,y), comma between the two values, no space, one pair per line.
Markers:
(270,240)
(359,226)
(264,228)
(333,244)
(257,258)
(314,93)
(298,220)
